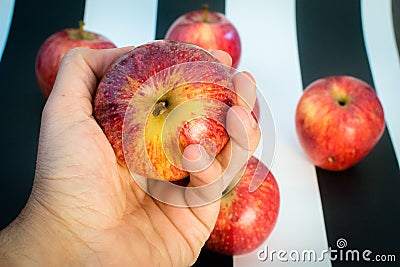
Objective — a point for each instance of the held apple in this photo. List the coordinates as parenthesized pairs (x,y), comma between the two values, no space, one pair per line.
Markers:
(53,49)
(245,219)
(339,119)
(209,30)
(157,99)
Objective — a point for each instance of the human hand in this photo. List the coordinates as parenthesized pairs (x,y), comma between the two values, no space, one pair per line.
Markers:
(85,209)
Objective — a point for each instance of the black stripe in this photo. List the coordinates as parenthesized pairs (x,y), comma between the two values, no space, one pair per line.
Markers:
(361,204)
(396,21)
(168,11)
(21,101)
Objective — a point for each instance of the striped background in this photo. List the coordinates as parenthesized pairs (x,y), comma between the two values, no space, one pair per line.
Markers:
(286,45)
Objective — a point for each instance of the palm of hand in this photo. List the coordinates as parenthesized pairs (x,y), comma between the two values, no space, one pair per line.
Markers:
(97,201)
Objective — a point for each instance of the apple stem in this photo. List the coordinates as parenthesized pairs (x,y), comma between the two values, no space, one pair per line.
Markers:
(343,102)
(159,108)
(205,13)
(81,30)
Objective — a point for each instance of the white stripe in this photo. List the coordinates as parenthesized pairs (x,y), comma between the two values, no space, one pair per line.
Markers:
(269,41)
(383,57)
(6,13)
(125,22)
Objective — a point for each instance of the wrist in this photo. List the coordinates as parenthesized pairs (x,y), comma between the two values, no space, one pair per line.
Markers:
(35,238)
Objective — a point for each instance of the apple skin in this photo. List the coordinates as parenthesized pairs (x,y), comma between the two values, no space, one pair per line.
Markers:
(120,85)
(209,30)
(339,120)
(51,52)
(245,219)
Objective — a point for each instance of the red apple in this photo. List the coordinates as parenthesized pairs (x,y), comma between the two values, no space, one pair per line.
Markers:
(209,30)
(157,99)
(53,49)
(339,119)
(246,219)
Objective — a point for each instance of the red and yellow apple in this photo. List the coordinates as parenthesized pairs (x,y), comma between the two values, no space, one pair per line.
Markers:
(53,49)
(339,120)
(209,30)
(159,98)
(246,219)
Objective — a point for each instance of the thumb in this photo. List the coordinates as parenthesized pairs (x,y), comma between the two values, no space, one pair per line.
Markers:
(78,76)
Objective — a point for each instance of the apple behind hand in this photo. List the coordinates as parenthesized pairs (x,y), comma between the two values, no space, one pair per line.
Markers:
(339,120)
(53,49)
(209,30)
(246,218)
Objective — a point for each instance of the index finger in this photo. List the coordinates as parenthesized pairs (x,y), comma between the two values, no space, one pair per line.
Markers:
(245,87)
(222,56)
